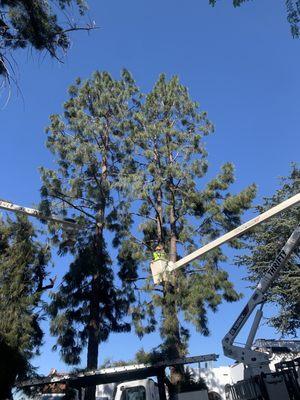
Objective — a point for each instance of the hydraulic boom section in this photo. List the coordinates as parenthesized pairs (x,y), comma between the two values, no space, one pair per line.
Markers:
(160,268)
(8,206)
(256,361)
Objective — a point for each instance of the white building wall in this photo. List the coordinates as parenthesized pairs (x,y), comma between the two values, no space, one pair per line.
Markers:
(215,378)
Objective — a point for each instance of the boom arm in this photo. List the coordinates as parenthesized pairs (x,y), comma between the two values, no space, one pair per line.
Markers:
(8,206)
(255,361)
(245,354)
(160,267)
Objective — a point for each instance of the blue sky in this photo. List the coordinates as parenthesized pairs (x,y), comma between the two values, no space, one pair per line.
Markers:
(241,65)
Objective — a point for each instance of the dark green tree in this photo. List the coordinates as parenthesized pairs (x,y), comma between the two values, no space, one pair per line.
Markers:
(178,207)
(34,23)
(23,262)
(292,9)
(86,142)
(265,242)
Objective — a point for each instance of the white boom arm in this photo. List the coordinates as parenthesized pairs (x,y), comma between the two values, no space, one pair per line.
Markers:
(256,360)
(8,206)
(159,267)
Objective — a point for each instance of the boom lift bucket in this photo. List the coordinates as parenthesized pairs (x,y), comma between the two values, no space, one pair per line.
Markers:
(160,269)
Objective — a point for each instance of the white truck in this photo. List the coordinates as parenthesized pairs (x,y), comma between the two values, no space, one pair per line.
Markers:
(131,382)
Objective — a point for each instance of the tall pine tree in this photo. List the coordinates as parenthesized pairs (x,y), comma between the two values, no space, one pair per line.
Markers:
(265,242)
(23,262)
(87,144)
(177,207)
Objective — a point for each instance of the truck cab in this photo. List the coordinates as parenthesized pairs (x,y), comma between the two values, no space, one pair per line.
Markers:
(143,389)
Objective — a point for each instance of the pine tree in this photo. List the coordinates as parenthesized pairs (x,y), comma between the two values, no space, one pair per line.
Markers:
(87,144)
(177,207)
(33,23)
(23,262)
(265,242)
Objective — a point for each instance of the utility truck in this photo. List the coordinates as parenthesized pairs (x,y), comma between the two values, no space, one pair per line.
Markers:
(131,381)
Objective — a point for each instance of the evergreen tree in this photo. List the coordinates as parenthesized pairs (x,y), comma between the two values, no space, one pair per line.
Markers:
(265,242)
(33,23)
(178,208)
(87,144)
(292,10)
(23,262)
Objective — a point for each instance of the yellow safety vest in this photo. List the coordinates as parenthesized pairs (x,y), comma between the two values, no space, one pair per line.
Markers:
(159,255)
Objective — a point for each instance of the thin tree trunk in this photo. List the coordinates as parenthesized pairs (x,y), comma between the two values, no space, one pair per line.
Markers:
(93,336)
(159,217)
(94,324)
(170,286)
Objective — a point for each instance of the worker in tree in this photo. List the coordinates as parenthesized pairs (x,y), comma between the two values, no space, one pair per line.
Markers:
(159,253)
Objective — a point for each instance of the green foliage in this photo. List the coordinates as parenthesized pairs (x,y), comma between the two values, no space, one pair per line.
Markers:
(293,16)
(70,308)
(292,9)
(34,23)
(176,207)
(131,169)
(265,242)
(23,262)
(87,143)
(190,383)
(151,357)
(109,363)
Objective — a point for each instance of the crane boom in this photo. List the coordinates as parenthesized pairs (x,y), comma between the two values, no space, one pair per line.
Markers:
(159,267)
(256,360)
(8,206)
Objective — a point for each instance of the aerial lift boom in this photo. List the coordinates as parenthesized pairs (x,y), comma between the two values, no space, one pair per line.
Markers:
(161,267)
(254,361)
(8,206)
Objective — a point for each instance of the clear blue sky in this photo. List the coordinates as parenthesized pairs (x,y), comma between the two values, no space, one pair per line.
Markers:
(241,65)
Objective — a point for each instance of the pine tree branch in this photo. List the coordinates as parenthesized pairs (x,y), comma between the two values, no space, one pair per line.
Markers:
(87,28)
(50,286)
(58,196)
(157,212)
(139,241)
(143,216)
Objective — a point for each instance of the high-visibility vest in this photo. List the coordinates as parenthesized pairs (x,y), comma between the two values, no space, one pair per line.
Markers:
(159,255)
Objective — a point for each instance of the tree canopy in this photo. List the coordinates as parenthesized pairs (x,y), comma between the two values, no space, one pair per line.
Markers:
(23,262)
(292,10)
(34,23)
(265,242)
(130,170)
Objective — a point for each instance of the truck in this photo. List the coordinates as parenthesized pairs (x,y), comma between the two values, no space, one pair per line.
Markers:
(284,356)
(128,382)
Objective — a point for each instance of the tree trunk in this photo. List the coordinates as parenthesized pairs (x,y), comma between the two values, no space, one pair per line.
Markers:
(93,336)
(170,288)
(159,217)
(94,324)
